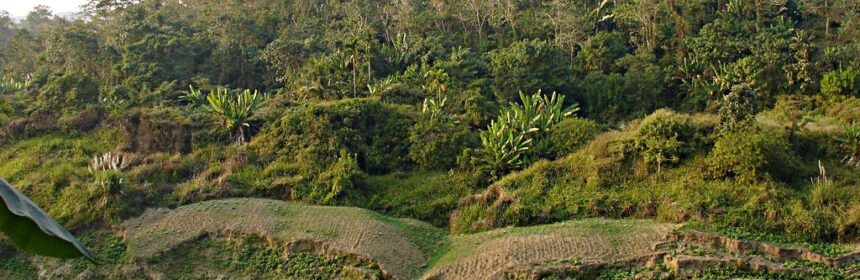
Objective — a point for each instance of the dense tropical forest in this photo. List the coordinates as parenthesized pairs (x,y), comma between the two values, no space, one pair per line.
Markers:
(733,116)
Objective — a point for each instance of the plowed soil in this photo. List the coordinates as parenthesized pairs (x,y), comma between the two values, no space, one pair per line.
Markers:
(485,255)
(402,247)
(353,230)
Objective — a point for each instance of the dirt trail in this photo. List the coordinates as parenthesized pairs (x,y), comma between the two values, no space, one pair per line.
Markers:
(485,255)
(346,229)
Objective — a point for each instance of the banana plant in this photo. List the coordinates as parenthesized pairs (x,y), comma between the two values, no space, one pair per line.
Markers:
(32,230)
(503,149)
(235,112)
(515,139)
(850,140)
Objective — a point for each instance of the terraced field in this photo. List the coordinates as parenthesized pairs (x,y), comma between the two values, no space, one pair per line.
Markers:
(404,249)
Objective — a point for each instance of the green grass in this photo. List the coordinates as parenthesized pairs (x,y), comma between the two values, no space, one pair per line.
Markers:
(422,195)
(432,241)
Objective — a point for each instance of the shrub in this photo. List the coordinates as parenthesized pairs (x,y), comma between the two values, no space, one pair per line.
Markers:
(152,130)
(738,108)
(68,92)
(527,66)
(29,126)
(841,83)
(752,154)
(82,121)
(99,201)
(845,111)
(427,196)
(435,144)
(571,134)
(297,152)
(662,138)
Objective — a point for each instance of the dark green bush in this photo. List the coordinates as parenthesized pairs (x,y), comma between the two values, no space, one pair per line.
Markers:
(527,66)
(663,137)
(68,92)
(299,151)
(427,196)
(570,134)
(753,154)
(435,144)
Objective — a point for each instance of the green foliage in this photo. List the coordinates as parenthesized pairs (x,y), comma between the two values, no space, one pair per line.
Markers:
(600,51)
(435,144)
(753,154)
(235,112)
(10,85)
(850,142)
(516,138)
(297,150)
(527,66)
(661,138)
(104,197)
(841,82)
(427,196)
(71,91)
(32,230)
(737,109)
(570,134)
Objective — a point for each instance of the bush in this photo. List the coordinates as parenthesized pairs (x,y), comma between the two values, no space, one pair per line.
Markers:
(68,92)
(841,83)
(298,152)
(426,196)
(89,203)
(570,134)
(160,129)
(29,126)
(527,66)
(435,144)
(663,137)
(846,111)
(753,154)
(82,121)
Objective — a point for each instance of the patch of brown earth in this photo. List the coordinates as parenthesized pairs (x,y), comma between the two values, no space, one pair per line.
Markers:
(351,230)
(489,254)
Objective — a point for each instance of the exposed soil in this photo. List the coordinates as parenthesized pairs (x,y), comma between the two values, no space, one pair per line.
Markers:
(351,230)
(409,249)
(487,255)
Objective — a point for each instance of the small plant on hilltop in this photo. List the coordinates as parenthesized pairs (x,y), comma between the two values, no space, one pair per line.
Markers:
(850,141)
(235,111)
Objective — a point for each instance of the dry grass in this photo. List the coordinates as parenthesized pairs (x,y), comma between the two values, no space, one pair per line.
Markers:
(346,229)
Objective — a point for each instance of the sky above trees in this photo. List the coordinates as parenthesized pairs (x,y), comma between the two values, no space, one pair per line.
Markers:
(20,8)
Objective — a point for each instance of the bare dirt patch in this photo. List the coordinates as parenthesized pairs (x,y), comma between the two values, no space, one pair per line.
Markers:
(486,255)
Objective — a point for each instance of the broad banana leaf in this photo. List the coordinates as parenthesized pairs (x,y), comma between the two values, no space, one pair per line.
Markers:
(32,230)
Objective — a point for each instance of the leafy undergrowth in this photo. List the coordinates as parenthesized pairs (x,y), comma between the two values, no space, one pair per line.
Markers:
(422,195)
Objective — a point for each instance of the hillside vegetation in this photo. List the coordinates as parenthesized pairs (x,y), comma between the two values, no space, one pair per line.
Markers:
(736,117)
